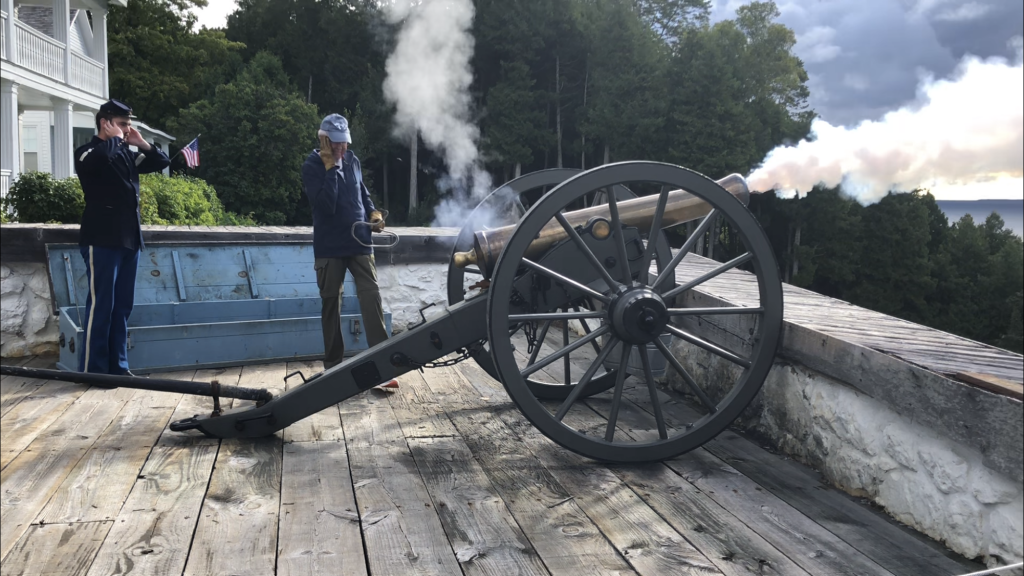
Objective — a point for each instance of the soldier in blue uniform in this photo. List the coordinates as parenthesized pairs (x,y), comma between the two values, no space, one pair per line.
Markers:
(110,237)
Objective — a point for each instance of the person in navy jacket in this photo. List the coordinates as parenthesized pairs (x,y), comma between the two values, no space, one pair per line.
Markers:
(343,216)
(110,237)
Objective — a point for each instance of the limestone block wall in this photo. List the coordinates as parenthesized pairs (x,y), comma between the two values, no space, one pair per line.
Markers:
(918,475)
(27,323)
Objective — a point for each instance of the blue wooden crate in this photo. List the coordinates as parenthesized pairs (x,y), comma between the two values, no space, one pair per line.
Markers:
(204,305)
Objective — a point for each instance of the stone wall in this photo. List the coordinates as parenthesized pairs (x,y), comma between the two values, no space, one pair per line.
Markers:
(912,469)
(29,326)
(27,323)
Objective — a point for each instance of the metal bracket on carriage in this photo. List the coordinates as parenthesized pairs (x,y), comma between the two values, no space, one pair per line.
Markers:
(423,318)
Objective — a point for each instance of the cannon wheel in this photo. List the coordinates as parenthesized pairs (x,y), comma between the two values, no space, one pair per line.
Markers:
(638,313)
(509,199)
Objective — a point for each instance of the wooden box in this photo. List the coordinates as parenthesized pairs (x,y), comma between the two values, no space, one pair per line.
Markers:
(204,305)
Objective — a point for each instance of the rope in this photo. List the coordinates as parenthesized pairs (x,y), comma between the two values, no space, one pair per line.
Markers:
(996,570)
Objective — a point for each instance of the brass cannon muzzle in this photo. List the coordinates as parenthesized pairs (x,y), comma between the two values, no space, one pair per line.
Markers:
(638,212)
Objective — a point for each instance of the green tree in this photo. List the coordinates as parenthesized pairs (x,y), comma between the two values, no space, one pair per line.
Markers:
(831,239)
(257,131)
(325,47)
(626,93)
(515,125)
(737,91)
(895,269)
(160,65)
(670,19)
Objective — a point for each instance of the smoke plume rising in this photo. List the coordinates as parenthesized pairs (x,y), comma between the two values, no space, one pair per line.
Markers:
(428,79)
(962,137)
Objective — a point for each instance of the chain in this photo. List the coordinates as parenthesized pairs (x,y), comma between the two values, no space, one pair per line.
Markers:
(464,354)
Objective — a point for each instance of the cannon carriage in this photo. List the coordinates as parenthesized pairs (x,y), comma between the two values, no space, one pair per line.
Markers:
(575,253)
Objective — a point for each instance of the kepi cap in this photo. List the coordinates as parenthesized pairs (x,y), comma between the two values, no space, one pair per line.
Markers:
(116,108)
(336,127)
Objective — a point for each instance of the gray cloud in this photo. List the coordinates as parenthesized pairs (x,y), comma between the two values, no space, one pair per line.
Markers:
(867,57)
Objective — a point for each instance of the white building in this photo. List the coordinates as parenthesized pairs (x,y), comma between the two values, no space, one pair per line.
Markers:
(53,79)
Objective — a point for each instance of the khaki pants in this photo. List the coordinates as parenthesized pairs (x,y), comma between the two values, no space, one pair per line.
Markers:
(330,277)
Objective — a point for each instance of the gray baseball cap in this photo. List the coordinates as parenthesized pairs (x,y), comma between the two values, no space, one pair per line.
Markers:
(336,127)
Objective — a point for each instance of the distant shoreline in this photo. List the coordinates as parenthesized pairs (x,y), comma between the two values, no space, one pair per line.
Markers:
(1011,211)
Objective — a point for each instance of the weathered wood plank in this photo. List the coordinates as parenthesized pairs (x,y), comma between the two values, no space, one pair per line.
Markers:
(319,522)
(993,384)
(800,538)
(400,526)
(98,486)
(895,548)
(36,412)
(56,549)
(243,501)
(13,362)
(418,411)
(14,389)
(719,537)
(34,475)
(324,425)
(643,537)
(238,522)
(565,538)
(485,537)
(153,530)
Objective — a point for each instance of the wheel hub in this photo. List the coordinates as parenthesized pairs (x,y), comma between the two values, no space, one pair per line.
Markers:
(638,315)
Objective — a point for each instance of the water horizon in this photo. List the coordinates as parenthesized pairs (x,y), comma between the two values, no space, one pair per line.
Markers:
(1011,211)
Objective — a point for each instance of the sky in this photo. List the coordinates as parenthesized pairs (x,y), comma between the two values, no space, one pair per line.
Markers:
(215,15)
(871,60)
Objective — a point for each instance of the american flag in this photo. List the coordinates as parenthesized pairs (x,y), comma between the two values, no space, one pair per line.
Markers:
(191,153)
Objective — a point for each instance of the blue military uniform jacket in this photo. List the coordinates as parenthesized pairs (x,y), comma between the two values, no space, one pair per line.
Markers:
(110,180)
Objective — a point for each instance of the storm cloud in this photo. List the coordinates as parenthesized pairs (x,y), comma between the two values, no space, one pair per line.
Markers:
(868,57)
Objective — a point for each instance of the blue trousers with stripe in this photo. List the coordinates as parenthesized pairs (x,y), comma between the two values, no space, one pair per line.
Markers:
(111,276)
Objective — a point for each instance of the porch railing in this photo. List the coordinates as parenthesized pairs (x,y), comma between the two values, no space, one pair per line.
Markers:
(5,183)
(86,74)
(44,55)
(38,52)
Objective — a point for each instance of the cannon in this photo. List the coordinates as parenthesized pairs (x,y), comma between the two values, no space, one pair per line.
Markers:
(579,252)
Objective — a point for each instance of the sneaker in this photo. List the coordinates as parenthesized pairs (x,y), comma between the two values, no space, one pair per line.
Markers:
(392,385)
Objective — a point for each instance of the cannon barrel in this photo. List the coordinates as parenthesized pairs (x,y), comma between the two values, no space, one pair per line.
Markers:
(681,207)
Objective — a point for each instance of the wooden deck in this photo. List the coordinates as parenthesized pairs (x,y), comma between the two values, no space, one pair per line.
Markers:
(442,477)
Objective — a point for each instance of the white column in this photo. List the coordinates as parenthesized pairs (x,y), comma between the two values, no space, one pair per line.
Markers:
(99,38)
(63,143)
(8,7)
(61,27)
(10,147)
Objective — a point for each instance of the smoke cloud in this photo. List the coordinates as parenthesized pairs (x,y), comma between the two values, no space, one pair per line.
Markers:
(428,79)
(963,137)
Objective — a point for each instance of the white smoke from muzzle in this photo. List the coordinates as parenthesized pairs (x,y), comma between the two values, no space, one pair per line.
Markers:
(428,79)
(963,136)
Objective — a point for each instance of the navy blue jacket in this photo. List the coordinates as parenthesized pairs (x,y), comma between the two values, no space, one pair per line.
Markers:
(110,181)
(338,198)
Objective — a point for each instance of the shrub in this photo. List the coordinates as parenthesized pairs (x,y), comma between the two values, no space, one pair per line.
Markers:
(37,197)
(176,200)
(179,200)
